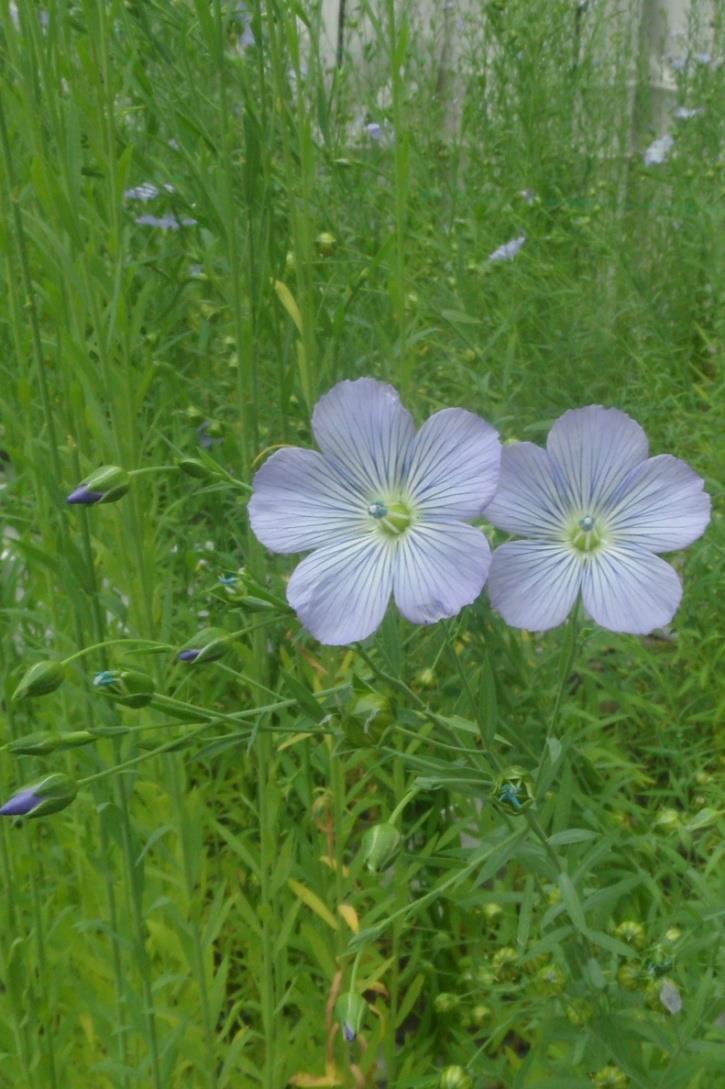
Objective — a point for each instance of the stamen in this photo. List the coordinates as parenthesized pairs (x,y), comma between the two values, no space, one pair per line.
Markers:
(585,535)
(394,518)
(378,509)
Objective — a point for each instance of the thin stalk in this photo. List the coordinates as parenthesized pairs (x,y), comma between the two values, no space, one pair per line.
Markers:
(192,906)
(396,43)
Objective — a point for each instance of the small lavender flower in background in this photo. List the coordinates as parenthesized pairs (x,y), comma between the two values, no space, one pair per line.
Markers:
(147,191)
(659,150)
(209,434)
(168,222)
(683,113)
(383,508)
(508,251)
(595,510)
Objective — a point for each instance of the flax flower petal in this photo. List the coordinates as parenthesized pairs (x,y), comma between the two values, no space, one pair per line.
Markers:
(630,590)
(594,448)
(660,506)
(454,465)
(299,503)
(439,568)
(527,500)
(340,592)
(363,430)
(533,584)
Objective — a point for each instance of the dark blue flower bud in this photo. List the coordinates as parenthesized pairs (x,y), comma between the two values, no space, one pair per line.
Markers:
(350,1010)
(128,687)
(206,646)
(48,795)
(107,484)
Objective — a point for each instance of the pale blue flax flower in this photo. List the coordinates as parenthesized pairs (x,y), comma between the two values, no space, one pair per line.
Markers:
(384,510)
(508,251)
(596,510)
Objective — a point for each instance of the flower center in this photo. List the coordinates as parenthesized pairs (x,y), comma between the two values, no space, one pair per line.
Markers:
(393,518)
(584,534)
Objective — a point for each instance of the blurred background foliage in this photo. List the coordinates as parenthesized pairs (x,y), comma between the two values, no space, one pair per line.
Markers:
(192,920)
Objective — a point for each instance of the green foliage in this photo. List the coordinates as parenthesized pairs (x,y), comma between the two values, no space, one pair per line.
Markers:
(214,913)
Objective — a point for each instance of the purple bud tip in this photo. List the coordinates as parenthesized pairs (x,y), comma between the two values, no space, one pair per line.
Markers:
(83,495)
(348,1032)
(25,801)
(188,655)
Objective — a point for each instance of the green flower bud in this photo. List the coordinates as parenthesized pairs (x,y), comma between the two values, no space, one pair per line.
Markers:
(630,932)
(610,1077)
(37,744)
(128,687)
(660,959)
(532,965)
(208,645)
(629,977)
(350,1010)
(326,244)
(105,485)
(579,1011)
(492,913)
(505,963)
(550,980)
(668,820)
(40,679)
(673,935)
(480,1015)
(43,742)
(483,977)
(454,1077)
(426,678)
(366,723)
(379,846)
(48,795)
(514,790)
(446,1002)
(196,468)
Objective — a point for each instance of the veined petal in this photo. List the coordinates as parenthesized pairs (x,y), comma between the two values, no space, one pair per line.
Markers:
(533,584)
(593,449)
(527,500)
(630,590)
(454,465)
(439,568)
(660,506)
(340,592)
(299,502)
(364,431)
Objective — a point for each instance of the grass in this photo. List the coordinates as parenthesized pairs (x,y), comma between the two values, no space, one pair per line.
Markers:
(190,921)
